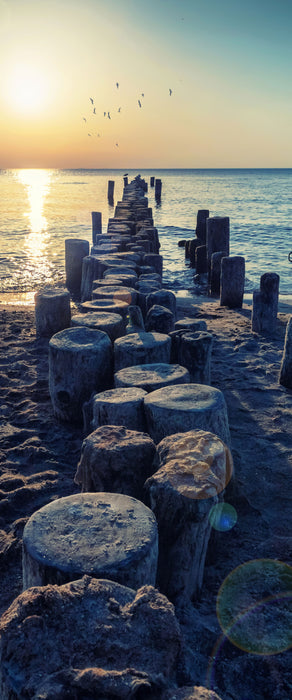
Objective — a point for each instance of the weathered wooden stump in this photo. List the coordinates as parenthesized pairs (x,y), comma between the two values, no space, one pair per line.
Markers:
(96,219)
(154,260)
(201,260)
(177,335)
(193,245)
(75,250)
(163,297)
(201,227)
(136,322)
(116,277)
(232,281)
(194,353)
(215,273)
(141,348)
(158,187)
(110,323)
(89,273)
(151,376)
(160,319)
(217,237)
(89,639)
(194,468)
(115,292)
(104,535)
(150,277)
(286,364)
(120,406)
(190,324)
(174,409)
(265,304)
(80,362)
(52,311)
(108,305)
(115,459)
(110,191)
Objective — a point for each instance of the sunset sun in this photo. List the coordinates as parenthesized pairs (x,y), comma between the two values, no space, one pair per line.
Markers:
(28,89)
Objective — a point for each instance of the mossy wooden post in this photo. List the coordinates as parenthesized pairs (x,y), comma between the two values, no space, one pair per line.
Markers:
(96,218)
(110,191)
(75,250)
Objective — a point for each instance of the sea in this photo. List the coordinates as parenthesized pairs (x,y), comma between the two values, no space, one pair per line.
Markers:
(41,208)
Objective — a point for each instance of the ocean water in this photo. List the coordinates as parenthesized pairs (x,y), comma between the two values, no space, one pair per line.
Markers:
(41,208)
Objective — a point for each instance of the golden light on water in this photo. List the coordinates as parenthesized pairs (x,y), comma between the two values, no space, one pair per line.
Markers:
(37,185)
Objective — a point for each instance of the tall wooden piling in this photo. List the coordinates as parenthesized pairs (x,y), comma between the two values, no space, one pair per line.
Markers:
(158,187)
(96,218)
(110,191)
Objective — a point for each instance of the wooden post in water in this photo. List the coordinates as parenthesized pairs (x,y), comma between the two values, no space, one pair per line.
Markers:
(110,191)
(158,186)
(202,216)
(96,218)
(152,181)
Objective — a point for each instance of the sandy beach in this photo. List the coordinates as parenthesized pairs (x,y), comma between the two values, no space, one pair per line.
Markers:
(38,460)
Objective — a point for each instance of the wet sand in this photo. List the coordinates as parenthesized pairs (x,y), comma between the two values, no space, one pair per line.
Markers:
(38,459)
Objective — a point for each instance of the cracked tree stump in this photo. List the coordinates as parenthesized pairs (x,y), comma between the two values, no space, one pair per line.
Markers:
(194,469)
(115,459)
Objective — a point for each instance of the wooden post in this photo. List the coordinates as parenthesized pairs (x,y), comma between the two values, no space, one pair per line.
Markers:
(96,218)
(202,216)
(232,281)
(286,364)
(110,191)
(75,250)
(158,186)
(217,237)
(152,181)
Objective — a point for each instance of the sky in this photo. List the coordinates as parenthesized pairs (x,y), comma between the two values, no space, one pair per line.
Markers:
(227,63)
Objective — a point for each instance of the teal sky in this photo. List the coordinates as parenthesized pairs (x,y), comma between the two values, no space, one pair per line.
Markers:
(228,64)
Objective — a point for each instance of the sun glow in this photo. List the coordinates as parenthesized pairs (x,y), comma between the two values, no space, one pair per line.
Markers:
(28,89)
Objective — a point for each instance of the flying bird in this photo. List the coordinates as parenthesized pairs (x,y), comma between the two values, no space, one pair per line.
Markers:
(170,92)
(117,84)
(139,103)
(85,120)
(98,135)
(108,115)
(119,109)
(104,114)
(117,145)
(94,110)
(91,100)
(88,134)
(142,94)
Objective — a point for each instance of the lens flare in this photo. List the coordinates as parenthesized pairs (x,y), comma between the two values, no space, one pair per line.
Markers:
(254,606)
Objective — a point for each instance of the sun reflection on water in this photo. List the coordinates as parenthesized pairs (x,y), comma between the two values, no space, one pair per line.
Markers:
(37,186)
